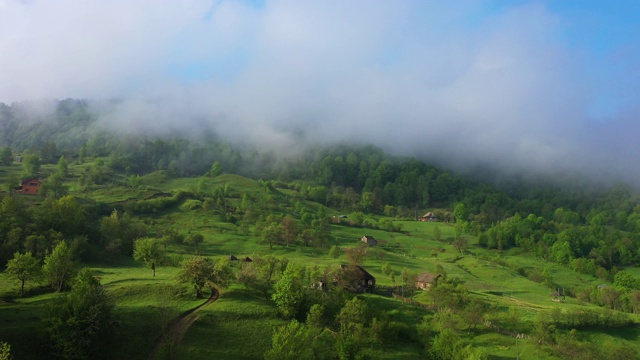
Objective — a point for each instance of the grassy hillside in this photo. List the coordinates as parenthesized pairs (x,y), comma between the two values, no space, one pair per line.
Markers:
(240,324)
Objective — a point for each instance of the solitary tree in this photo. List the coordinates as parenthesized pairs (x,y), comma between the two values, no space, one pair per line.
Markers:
(149,251)
(24,267)
(200,271)
(437,234)
(461,244)
(58,266)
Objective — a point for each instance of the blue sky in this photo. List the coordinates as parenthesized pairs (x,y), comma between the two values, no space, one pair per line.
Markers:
(530,84)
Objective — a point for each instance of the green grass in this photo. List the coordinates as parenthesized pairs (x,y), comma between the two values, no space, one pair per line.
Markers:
(233,327)
(240,327)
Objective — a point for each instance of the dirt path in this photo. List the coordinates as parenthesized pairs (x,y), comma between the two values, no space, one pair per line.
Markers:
(173,335)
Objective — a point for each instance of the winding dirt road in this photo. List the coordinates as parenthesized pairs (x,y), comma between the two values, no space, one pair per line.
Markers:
(179,327)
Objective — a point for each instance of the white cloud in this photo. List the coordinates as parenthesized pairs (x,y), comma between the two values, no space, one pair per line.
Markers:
(406,75)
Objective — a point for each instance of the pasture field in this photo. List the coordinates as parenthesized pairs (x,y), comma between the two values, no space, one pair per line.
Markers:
(239,325)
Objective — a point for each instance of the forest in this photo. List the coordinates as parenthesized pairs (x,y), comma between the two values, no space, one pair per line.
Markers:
(186,203)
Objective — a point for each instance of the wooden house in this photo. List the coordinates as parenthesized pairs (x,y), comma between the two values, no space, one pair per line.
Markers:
(30,186)
(355,278)
(425,281)
(369,240)
(429,217)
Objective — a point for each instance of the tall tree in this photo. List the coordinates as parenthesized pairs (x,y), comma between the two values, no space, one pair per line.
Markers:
(58,266)
(24,267)
(63,167)
(6,157)
(288,291)
(31,165)
(288,230)
(78,322)
(149,251)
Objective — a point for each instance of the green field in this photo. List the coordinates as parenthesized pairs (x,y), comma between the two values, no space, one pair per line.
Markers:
(240,324)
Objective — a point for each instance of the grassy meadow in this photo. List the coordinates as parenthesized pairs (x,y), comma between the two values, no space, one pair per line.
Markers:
(240,325)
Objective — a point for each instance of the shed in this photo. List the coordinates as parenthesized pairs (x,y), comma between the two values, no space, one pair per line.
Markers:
(369,240)
(425,281)
(429,217)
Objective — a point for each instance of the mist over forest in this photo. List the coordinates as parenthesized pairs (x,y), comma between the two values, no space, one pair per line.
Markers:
(513,88)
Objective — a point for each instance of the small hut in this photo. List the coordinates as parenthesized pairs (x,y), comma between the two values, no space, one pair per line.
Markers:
(425,281)
(369,240)
(429,217)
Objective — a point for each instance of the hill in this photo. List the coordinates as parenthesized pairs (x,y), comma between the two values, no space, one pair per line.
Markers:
(535,270)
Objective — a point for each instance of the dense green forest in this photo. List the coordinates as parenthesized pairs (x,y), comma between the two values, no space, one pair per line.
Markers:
(297,200)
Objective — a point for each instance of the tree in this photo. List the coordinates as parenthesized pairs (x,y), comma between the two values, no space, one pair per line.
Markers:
(149,251)
(195,240)
(54,187)
(200,271)
(288,292)
(79,321)
(625,280)
(461,244)
(271,234)
(5,351)
(266,268)
(315,316)
(31,165)
(24,267)
(353,321)
(386,269)
(62,167)
(460,212)
(216,169)
(357,254)
(290,342)
(247,276)
(288,230)
(58,266)
(437,233)
(6,157)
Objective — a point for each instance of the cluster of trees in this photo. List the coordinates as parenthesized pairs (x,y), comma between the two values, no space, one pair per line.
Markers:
(77,322)
(36,229)
(57,269)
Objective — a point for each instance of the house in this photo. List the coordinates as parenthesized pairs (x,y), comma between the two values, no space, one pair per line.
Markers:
(247,259)
(429,217)
(425,281)
(233,258)
(30,186)
(369,240)
(355,278)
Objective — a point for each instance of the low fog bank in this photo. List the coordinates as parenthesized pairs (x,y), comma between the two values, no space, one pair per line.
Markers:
(468,146)
(457,84)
